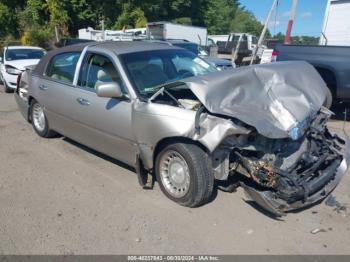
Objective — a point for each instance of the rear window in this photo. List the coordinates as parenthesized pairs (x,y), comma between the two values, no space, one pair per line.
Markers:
(62,67)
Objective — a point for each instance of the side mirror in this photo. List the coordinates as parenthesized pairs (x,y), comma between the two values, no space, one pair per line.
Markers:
(109,90)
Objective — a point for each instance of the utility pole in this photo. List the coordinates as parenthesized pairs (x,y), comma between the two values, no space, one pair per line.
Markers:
(262,36)
(57,34)
(103,29)
(287,39)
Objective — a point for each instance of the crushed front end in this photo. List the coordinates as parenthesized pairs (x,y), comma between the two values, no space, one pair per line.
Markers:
(285,174)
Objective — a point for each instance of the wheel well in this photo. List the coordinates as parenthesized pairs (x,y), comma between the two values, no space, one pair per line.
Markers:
(30,99)
(329,77)
(170,140)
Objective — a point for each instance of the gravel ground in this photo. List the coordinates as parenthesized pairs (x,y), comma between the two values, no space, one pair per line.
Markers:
(57,197)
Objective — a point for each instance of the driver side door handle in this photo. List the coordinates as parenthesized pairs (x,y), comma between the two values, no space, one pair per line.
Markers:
(83,101)
(43,87)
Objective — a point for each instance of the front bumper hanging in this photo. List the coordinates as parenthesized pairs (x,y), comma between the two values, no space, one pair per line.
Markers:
(277,206)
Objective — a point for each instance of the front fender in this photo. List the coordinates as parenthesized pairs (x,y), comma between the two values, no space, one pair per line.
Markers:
(154,122)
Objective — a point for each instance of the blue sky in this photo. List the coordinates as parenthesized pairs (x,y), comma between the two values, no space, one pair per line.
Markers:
(308,20)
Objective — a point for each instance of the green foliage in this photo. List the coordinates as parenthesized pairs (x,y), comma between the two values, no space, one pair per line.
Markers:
(82,14)
(245,22)
(23,17)
(37,35)
(182,20)
(7,21)
(34,9)
(219,15)
(305,40)
(302,40)
(58,15)
(130,18)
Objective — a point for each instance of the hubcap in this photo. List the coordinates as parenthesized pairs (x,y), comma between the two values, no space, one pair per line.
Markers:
(174,174)
(38,117)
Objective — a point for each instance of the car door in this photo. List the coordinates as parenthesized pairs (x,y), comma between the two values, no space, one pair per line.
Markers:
(105,124)
(55,92)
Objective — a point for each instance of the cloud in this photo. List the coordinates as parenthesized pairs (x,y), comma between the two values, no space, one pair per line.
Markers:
(275,23)
(305,15)
(286,14)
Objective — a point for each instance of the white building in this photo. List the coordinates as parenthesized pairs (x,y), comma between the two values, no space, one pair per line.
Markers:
(336,25)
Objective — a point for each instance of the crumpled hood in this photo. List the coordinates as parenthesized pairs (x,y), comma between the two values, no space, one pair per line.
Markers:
(22,63)
(273,98)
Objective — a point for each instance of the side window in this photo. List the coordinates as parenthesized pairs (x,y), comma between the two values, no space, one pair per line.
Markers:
(254,40)
(98,69)
(62,67)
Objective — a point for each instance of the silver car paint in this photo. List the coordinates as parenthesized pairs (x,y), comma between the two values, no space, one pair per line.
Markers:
(273,98)
(110,134)
(135,127)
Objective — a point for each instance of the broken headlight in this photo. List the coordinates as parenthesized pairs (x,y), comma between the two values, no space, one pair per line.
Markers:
(298,131)
(12,70)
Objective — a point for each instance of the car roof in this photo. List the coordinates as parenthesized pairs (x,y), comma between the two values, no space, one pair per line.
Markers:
(125,47)
(118,47)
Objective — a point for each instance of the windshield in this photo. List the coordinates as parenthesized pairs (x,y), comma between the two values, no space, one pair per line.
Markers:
(20,54)
(150,70)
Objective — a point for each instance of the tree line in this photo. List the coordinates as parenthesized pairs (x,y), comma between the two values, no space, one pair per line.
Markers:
(33,21)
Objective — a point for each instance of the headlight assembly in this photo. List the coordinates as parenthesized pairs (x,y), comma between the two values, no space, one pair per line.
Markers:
(298,131)
(12,70)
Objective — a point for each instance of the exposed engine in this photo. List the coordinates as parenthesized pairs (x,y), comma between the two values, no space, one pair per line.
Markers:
(288,170)
(279,174)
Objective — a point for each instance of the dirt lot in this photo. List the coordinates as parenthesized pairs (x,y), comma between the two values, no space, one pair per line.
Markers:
(57,197)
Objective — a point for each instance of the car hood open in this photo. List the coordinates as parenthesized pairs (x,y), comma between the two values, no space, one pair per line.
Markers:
(273,98)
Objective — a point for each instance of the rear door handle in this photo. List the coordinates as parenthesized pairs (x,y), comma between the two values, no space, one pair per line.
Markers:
(43,87)
(83,101)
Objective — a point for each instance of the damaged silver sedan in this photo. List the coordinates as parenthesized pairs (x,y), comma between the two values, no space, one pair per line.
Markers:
(172,116)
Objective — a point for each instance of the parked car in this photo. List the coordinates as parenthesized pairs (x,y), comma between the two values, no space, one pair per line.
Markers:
(262,127)
(219,63)
(190,46)
(331,62)
(13,60)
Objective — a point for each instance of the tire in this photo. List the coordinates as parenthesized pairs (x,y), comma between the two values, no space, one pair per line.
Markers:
(329,99)
(7,89)
(192,182)
(39,120)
